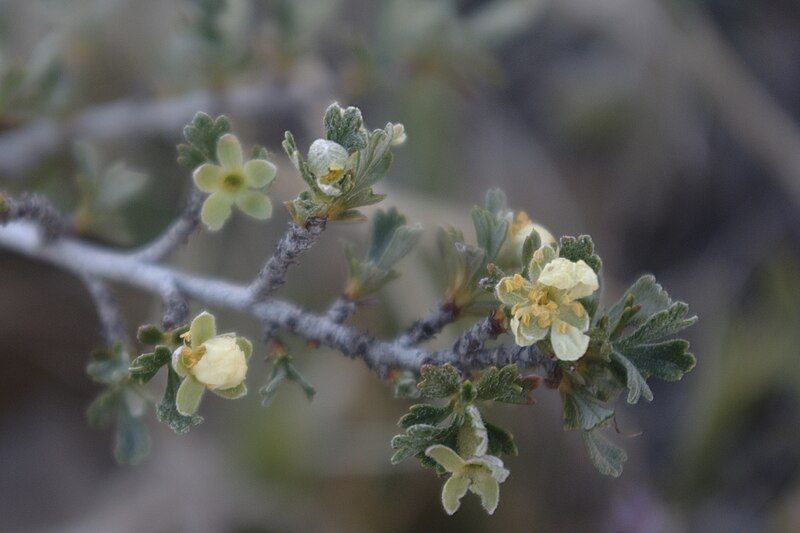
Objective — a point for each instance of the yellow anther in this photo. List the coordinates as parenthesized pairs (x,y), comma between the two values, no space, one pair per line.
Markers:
(577,309)
(543,321)
(562,327)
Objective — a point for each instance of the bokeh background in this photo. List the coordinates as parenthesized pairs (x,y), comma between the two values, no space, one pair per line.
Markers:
(666,129)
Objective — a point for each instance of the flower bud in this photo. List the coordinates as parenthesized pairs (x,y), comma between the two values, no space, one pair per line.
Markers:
(398,134)
(327,161)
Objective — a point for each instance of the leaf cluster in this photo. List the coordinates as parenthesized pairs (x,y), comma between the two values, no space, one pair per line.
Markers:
(283,370)
(201,135)
(390,240)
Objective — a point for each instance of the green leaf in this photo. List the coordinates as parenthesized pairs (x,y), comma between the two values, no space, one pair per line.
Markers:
(668,360)
(131,439)
(419,438)
(582,410)
(201,135)
(103,409)
(636,383)
(581,248)
(269,390)
(150,335)
(661,325)
(283,370)
(647,294)
(384,224)
(425,414)
(405,385)
(108,367)
(490,231)
(147,365)
(607,457)
(504,385)
(496,202)
(167,410)
(345,127)
(439,381)
(500,440)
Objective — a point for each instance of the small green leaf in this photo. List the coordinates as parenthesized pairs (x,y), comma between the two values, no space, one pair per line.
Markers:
(202,135)
(167,410)
(668,360)
(108,367)
(500,440)
(581,248)
(425,414)
(647,294)
(490,230)
(636,383)
(582,410)
(345,127)
(606,456)
(131,439)
(150,335)
(439,381)
(144,367)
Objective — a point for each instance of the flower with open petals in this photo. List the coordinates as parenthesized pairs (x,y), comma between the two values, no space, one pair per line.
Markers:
(210,361)
(234,181)
(480,474)
(547,301)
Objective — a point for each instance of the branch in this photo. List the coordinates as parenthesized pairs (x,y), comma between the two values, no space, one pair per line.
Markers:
(87,259)
(294,242)
(176,234)
(34,208)
(429,326)
(114,330)
(474,338)
(24,147)
(340,309)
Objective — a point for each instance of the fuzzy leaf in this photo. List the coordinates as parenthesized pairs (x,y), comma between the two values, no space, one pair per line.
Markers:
(439,381)
(636,383)
(668,360)
(345,127)
(424,414)
(503,385)
(144,367)
(581,248)
(500,440)
(167,410)
(490,231)
(661,325)
(496,202)
(201,135)
(150,335)
(131,438)
(607,457)
(583,411)
(108,367)
(647,294)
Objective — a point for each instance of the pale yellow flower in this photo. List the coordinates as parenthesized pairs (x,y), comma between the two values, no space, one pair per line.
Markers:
(546,302)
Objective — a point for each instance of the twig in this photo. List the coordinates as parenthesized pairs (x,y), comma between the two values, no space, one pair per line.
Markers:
(114,330)
(24,147)
(176,307)
(95,261)
(341,309)
(295,241)
(34,208)
(429,326)
(176,234)
(474,338)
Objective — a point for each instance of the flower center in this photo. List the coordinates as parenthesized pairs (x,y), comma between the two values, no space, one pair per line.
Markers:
(232,182)
(334,174)
(190,357)
(543,306)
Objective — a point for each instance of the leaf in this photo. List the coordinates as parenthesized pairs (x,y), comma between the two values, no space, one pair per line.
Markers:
(581,248)
(607,457)
(496,202)
(668,360)
(439,381)
(131,439)
(419,438)
(660,325)
(269,390)
(500,440)
(150,335)
(425,414)
(147,365)
(384,224)
(582,410)
(647,294)
(636,383)
(345,127)
(167,410)
(108,367)
(490,231)
(503,385)
(201,135)
(103,409)
(283,370)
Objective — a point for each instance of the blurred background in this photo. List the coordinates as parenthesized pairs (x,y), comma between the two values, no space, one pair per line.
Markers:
(669,130)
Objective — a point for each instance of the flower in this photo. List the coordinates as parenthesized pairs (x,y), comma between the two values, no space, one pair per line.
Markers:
(210,361)
(481,474)
(398,134)
(233,182)
(520,226)
(327,161)
(547,302)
